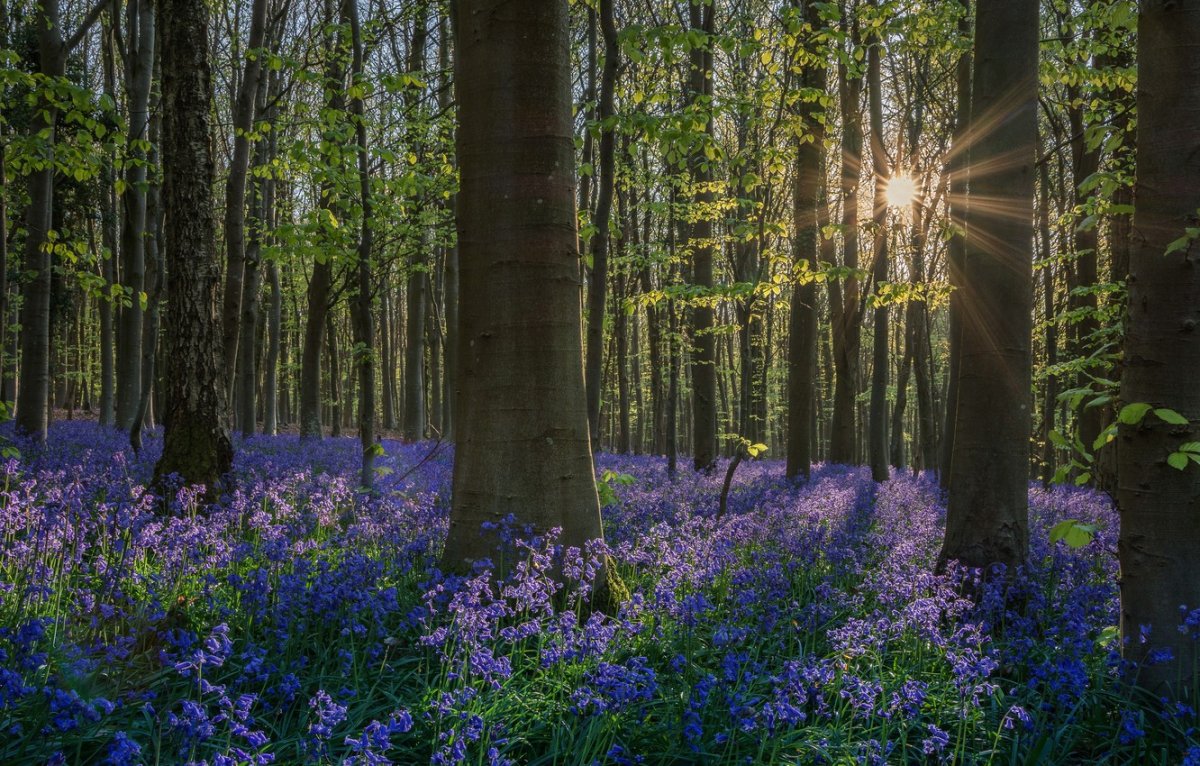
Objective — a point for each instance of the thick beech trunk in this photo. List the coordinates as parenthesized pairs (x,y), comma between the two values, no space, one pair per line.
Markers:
(522,432)
(987,515)
(1160,538)
(33,390)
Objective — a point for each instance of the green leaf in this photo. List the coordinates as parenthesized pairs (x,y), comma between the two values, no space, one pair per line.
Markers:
(1059,440)
(1170,416)
(1178,244)
(1177,460)
(1132,414)
(754,450)
(1074,533)
(1107,435)
(1108,635)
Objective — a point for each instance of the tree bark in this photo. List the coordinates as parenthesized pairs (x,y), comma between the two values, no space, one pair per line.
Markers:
(416,417)
(196,443)
(155,279)
(244,109)
(1160,540)
(523,446)
(846,314)
(364,331)
(108,223)
(987,514)
(704,357)
(320,284)
(959,172)
(877,424)
(598,281)
(33,390)
(139,71)
(802,329)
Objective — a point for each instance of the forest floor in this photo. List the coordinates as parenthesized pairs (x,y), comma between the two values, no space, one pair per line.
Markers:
(301,622)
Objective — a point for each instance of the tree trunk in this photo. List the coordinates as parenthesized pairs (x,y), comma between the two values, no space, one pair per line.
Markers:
(1085,161)
(416,416)
(333,357)
(245,348)
(33,390)
(196,444)
(274,342)
(877,423)
(846,314)
(704,357)
(320,284)
(1160,540)
(155,280)
(959,172)
(1050,397)
(598,282)
(802,328)
(523,446)
(364,332)
(108,223)
(244,109)
(139,70)
(987,514)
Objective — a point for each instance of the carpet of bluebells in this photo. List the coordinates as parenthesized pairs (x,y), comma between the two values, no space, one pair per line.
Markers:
(300,622)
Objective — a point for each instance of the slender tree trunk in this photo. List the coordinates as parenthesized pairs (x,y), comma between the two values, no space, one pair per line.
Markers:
(1160,540)
(244,109)
(598,282)
(364,332)
(387,354)
(958,170)
(1050,398)
(703,368)
(320,284)
(333,356)
(1085,161)
(802,329)
(896,446)
(274,343)
(987,514)
(621,330)
(155,279)
(672,416)
(877,433)
(846,314)
(251,283)
(108,223)
(139,70)
(196,444)
(416,417)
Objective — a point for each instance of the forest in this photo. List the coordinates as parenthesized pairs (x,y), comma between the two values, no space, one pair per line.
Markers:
(599,382)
